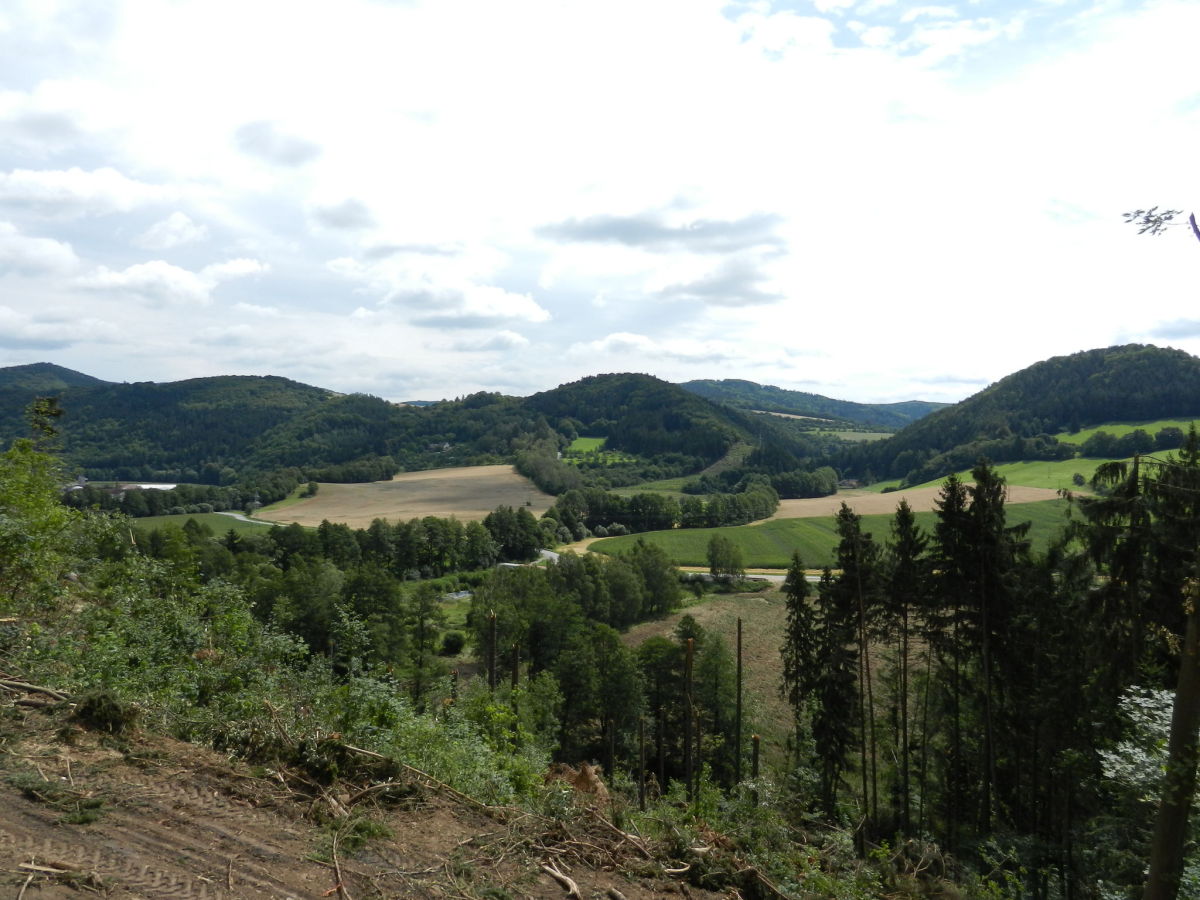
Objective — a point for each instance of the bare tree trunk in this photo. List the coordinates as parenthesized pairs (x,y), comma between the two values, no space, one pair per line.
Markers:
(1179,785)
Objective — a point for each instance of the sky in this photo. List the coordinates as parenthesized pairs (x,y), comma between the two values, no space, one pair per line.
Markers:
(872,200)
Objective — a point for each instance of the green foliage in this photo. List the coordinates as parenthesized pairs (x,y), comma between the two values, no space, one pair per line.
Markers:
(751,396)
(1017,417)
(38,536)
(724,558)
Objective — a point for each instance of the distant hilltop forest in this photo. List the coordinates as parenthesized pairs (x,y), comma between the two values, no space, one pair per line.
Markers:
(266,434)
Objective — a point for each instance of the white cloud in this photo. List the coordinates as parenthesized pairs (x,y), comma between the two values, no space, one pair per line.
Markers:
(233,268)
(350,214)
(20,330)
(501,340)
(928,12)
(269,144)
(175,230)
(629,344)
(34,255)
(161,284)
(439,291)
(74,192)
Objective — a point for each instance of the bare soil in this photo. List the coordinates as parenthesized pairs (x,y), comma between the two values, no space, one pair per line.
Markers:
(866,503)
(175,820)
(467,493)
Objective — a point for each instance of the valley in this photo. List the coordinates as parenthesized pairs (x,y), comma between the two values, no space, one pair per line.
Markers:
(397,641)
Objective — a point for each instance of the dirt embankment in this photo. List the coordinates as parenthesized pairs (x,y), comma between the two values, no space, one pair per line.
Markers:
(86,813)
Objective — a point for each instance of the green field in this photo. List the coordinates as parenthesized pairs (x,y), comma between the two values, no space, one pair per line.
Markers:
(672,486)
(1119,429)
(1055,475)
(591,449)
(218,523)
(770,545)
(857,436)
(587,445)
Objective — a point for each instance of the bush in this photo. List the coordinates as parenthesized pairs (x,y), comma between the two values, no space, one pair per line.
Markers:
(453,643)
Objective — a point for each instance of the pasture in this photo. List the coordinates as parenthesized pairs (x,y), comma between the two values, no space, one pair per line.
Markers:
(467,493)
(587,445)
(218,523)
(591,449)
(769,545)
(1120,429)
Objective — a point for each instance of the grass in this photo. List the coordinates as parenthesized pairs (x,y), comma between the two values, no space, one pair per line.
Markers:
(1055,475)
(858,436)
(770,545)
(1118,429)
(218,523)
(591,449)
(674,486)
(587,445)
(290,500)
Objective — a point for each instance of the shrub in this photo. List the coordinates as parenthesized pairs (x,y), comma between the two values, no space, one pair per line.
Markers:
(453,643)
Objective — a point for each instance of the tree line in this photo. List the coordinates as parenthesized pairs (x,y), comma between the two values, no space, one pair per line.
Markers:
(956,685)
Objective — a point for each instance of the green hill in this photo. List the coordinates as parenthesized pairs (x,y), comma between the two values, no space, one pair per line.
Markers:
(768,398)
(643,415)
(1017,417)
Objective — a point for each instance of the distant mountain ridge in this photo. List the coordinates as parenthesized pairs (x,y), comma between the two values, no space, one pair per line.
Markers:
(44,377)
(769,398)
(215,430)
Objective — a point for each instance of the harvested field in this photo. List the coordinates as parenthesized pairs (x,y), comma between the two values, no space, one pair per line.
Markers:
(867,504)
(468,493)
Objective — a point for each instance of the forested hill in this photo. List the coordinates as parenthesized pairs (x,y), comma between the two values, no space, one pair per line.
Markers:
(1012,418)
(769,398)
(44,377)
(221,430)
(641,414)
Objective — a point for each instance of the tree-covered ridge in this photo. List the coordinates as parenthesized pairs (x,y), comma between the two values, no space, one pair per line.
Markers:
(769,398)
(227,429)
(1019,413)
(643,415)
(44,377)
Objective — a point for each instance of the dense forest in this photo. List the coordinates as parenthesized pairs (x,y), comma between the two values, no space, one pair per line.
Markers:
(768,398)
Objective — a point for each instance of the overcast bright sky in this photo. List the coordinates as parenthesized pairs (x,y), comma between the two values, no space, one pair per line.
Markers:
(867,199)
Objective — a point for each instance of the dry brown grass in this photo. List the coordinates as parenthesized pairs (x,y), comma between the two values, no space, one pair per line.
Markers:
(467,493)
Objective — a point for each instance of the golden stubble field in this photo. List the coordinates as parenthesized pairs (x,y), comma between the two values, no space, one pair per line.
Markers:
(467,493)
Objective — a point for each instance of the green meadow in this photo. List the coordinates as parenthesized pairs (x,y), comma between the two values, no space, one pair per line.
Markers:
(217,523)
(771,544)
(1119,429)
(586,445)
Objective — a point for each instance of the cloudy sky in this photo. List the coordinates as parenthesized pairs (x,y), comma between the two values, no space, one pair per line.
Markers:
(868,199)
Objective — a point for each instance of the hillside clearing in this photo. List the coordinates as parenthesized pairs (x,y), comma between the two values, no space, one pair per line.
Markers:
(84,813)
(467,493)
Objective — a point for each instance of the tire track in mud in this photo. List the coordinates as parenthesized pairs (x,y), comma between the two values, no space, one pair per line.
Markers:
(176,835)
